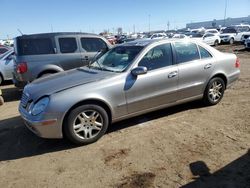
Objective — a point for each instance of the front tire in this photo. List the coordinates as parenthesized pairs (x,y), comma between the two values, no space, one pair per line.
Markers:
(1,100)
(86,124)
(216,43)
(1,79)
(214,91)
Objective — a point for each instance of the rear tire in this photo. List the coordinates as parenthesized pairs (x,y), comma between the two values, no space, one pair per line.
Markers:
(86,124)
(231,41)
(214,91)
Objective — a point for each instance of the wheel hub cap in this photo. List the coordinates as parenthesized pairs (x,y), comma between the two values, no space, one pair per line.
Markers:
(215,91)
(88,124)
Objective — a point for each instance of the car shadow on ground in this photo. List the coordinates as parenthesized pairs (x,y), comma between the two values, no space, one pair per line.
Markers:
(155,115)
(11,94)
(242,50)
(235,174)
(16,141)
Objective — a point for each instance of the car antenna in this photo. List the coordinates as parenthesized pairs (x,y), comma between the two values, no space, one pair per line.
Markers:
(20,31)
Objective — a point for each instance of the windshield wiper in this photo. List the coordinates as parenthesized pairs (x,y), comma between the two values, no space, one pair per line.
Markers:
(93,59)
(99,53)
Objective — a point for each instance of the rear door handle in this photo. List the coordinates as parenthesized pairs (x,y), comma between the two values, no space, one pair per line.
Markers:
(207,66)
(86,58)
(172,74)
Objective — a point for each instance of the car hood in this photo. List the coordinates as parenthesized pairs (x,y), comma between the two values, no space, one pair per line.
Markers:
(64,80)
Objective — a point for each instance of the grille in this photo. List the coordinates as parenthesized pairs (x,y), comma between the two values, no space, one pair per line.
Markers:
(24,100)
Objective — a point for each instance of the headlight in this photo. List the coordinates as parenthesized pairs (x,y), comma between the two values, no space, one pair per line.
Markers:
(40,106)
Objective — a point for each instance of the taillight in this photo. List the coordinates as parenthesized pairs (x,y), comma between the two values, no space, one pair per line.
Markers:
(237,63)
(22,68)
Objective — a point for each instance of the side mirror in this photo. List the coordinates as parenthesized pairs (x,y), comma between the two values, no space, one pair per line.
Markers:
(139,71)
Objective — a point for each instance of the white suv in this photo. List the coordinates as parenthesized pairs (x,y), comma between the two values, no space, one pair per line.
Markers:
(228,35)
(208,38)
(247,43)
(242,30)
(214,31)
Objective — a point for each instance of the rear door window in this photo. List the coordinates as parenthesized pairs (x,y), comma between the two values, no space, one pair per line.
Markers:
(186,51)
(204,53)
(67,45)
(36,46)
(93,44)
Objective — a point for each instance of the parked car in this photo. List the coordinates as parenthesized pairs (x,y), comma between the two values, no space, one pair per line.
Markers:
(208,38)
(228,35)
(242,29)
(247,43)
(131,79)
(158,36)
(198,30)
(1,98)
(244,37)
(3,49)
(213,31)
(41,55)
(112,39)
(180,36)
(121,39)
(6,66)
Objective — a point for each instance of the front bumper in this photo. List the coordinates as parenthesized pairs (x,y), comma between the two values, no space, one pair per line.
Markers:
(225,40)
(42,127)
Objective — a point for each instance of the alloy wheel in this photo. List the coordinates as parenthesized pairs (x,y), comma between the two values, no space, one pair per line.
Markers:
(215,91)
(88,124)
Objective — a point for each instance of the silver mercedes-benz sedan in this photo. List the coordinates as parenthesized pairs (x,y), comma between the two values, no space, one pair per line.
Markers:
(130,79)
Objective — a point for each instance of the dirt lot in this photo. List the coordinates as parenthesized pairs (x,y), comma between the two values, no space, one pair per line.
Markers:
(185,146)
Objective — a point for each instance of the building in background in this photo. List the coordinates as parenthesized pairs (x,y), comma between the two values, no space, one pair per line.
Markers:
(219,23)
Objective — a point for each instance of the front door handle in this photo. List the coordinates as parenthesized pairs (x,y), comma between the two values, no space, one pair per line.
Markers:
(207,66)
(172,74)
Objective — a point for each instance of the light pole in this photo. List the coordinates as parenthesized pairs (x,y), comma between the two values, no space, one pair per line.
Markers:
(225,13)
(149,16)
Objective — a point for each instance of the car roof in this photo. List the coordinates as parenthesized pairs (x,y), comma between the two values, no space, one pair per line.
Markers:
(55,34)
(147,42)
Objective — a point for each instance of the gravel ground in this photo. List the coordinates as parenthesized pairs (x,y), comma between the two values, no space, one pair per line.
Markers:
(184,146)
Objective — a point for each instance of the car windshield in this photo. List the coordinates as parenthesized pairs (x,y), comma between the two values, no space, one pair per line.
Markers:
(229,30)
(243,28)
(195,35)
(4,54)
(117,59)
